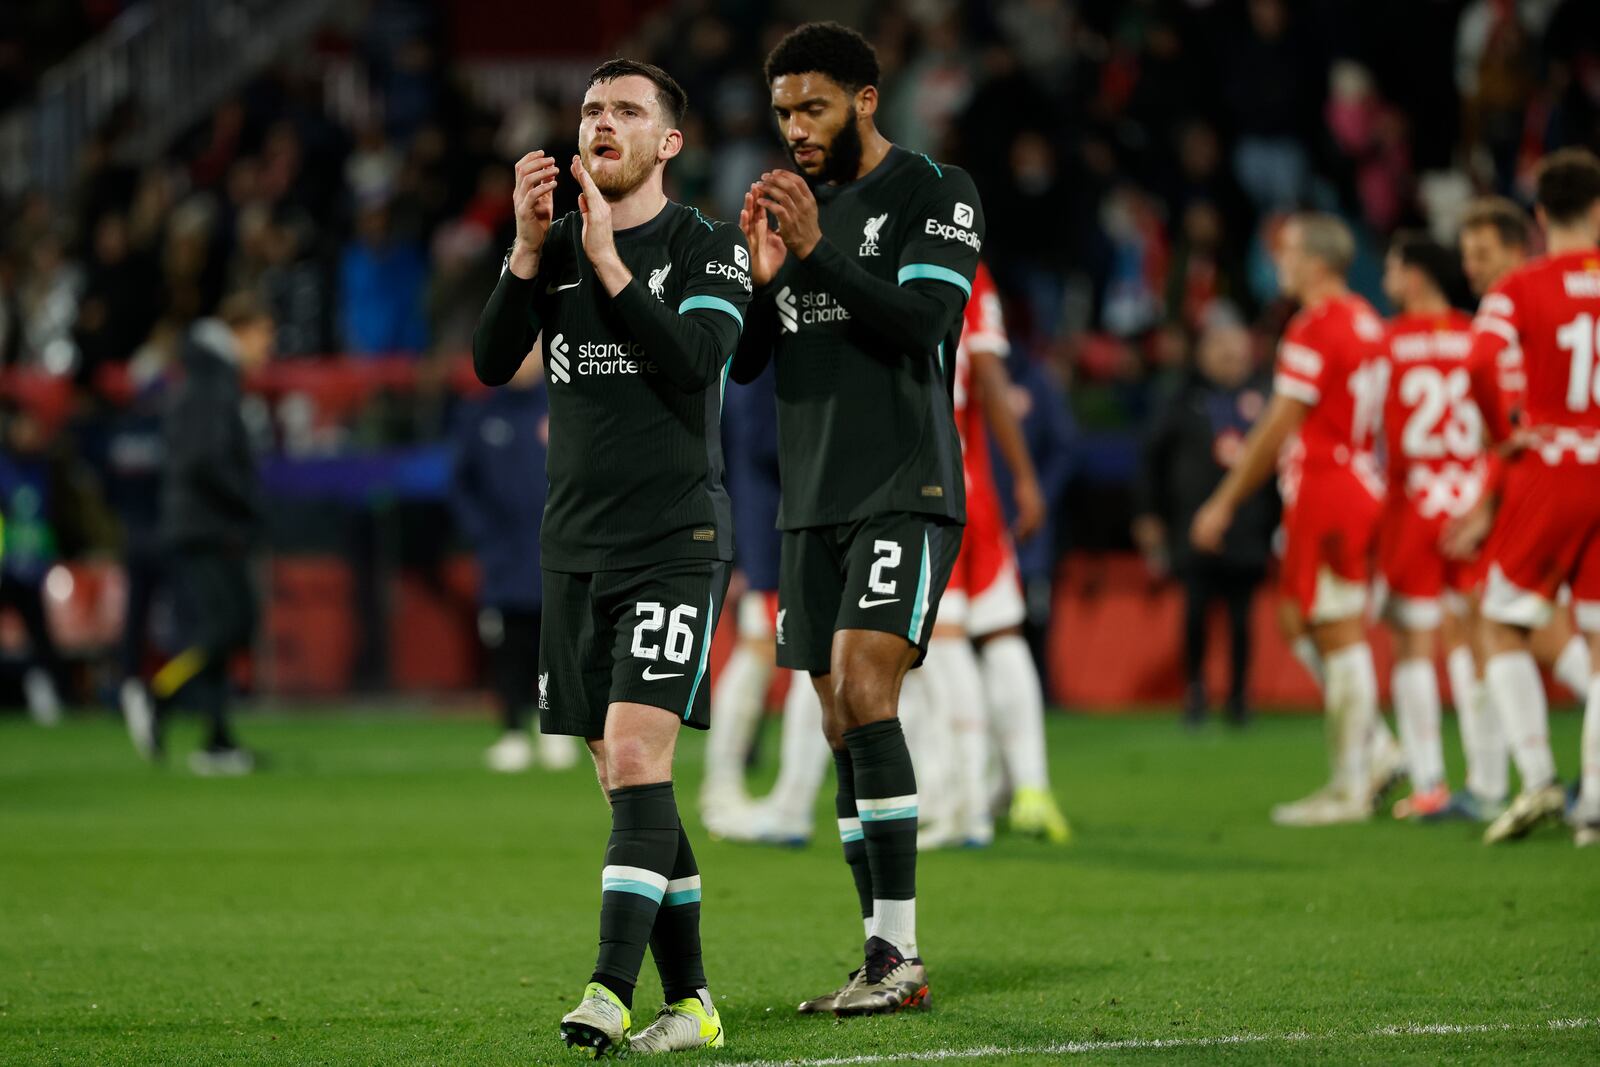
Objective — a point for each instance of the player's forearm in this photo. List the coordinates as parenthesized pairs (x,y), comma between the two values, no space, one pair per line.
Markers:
(757,341)
(1258,458)
(690,349)
(993,385)
(505,330)
(913,318)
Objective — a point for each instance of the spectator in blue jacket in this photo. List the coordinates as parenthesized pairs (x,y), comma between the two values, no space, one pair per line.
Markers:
(27,552)
(498,495)
(382,289)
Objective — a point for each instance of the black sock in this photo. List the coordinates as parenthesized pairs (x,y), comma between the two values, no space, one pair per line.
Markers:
(639,860)
(675,941)
(850,835)
(886,799)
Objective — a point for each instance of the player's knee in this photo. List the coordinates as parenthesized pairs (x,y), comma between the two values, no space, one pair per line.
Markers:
(861,696)
(597,753)
(634,761)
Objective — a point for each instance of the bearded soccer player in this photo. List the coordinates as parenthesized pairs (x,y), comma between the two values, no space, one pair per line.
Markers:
(1547,530)
(1320,427)
(639,303)
(1437,471)
(864,267)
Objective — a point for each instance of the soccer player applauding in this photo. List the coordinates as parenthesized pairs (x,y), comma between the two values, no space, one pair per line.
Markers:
(864,260)
(639,302)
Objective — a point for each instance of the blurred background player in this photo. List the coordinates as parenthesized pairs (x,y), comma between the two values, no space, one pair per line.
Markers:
(1547,528)
(785,815)
(1321,428)
(211,523)
(1496,238)
(998,690)
(28,550)
(1437,470)
(1191,444)
(497,495)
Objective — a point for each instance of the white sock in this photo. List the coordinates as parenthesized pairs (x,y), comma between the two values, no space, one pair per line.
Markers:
(928,738)
(1416,709)
(736,701)
(896,922)
(1016,707)
(804,757)
(958,684)
(1481,738)
(1351,701)
(1305,650)
(1589,784)
(1572,668)
(1517,693)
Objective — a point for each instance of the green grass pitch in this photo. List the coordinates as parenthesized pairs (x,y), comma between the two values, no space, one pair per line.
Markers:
(378,898)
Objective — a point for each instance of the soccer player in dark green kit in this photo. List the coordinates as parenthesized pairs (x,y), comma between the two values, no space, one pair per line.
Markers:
(638,303)
(863,261)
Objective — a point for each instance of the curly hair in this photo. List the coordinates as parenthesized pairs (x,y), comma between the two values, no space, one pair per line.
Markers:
(669,94)
(825,48)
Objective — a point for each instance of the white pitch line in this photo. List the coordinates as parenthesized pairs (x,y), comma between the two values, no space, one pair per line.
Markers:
(1079,1048)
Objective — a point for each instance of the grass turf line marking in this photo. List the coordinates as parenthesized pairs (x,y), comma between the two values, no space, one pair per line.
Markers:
(1135,1044)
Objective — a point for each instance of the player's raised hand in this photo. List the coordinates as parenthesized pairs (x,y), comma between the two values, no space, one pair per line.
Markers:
(1029,499)
(789,198)
(598,242)
(766,247)
(533,205)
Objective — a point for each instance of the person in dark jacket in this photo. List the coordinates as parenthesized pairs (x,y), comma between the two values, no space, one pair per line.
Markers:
(211,518)
(1190,445)
(498,493)
(28,550)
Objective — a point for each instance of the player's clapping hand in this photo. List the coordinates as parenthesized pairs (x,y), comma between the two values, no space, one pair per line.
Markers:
(598,242)
(533,205)
(1210,526)
(766,247)
(789,198)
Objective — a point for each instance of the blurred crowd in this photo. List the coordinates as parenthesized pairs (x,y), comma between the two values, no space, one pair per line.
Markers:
(1136,158)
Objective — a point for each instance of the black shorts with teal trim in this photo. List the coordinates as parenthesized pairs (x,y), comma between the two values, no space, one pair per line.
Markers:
(884,572)
(640,636)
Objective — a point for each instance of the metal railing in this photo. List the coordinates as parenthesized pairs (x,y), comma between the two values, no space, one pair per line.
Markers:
(173,60)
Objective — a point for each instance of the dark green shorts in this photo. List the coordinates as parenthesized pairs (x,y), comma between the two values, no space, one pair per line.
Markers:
(885,572)
(641,636)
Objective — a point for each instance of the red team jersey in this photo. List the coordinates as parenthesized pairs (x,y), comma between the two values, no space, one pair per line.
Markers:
(1331,360)
(1433,435)
(987,591)
(1548,528)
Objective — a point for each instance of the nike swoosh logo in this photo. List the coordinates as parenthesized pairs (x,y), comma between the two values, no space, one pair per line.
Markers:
(553,288)
(657,677)
(864,602)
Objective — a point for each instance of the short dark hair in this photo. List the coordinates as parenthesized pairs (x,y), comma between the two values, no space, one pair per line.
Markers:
(826,48)
(1568,184)
(1417,249)
(669,94)
(244,307)
(1508,220)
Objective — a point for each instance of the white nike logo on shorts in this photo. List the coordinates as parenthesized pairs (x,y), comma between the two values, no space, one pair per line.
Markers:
(864,602)
(657,677)
(552,287)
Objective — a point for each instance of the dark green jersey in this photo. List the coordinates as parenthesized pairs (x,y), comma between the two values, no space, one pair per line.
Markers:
(865,332)
(636,383)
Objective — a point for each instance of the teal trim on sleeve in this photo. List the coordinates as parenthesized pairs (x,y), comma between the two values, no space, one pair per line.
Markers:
(716,303)
(933,272)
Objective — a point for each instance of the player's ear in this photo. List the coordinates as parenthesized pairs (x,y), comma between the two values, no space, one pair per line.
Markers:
(866,101)
(671,145)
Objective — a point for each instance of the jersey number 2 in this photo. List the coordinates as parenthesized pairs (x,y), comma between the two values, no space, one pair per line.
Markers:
(680,639)
(1581,338)
(888,553)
